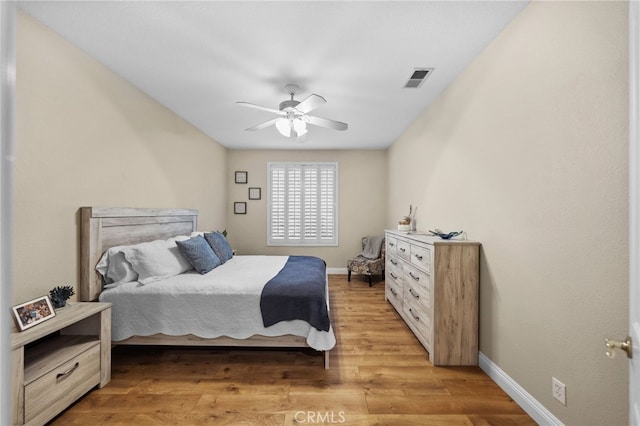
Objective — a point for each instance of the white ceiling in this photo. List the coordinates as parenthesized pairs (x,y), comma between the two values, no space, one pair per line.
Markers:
(199,58)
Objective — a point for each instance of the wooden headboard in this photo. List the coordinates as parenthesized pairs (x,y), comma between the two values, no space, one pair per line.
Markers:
(105,227)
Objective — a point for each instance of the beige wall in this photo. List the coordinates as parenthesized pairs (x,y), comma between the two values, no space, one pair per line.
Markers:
(362,196)
(527,152)
(86,137)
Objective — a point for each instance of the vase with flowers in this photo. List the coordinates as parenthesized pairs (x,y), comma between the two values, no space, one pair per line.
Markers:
(60,294)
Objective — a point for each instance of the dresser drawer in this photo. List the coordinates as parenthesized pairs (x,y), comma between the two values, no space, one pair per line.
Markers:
(393,293)
(393,261)
(394,284)
(420,295)
(421,257)
(419,320)
(404,250)
(392,245)
(394,275)
(419,279)
(61,386)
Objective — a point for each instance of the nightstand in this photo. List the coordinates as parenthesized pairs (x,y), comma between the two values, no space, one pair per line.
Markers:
(58,361)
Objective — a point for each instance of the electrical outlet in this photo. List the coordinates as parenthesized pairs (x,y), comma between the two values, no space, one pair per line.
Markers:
(559,390)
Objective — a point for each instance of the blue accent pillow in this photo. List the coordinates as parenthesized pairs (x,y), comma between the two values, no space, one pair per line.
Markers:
(199,253)
(220,245)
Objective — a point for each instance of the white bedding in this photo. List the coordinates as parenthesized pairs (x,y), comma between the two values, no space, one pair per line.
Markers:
(223,302)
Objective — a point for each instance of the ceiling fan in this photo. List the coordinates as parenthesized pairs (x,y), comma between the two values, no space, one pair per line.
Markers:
(293,118)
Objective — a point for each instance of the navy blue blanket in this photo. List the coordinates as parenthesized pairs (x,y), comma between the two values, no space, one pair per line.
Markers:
(297,292)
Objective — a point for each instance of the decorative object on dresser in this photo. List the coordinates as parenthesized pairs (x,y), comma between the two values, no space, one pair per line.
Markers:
(33,312)
(60,294)
(433,284)
(55,364)
(446,235)
(408,223)
(370,261)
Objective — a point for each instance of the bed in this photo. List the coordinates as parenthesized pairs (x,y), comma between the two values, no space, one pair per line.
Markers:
(183,309)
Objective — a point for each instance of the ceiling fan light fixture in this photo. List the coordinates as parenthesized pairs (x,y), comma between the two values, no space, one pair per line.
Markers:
(294,117)
(283,126)
(299,126)
(291,127)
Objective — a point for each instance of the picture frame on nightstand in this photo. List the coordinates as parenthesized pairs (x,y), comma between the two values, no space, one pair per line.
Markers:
(33,312)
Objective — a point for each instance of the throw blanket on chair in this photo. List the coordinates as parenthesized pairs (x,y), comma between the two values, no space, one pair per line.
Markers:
(372,247)
(297,292)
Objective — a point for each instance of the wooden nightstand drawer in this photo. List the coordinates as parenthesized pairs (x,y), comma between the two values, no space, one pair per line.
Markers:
(64,384)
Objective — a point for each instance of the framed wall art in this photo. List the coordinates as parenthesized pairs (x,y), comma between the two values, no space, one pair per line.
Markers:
(240,207)
(255,193)
(241,177)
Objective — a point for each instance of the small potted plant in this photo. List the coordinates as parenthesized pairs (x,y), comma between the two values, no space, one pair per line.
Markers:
(60,294)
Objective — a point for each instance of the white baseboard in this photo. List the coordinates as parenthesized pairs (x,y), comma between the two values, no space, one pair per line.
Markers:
(337,271)
(537,411)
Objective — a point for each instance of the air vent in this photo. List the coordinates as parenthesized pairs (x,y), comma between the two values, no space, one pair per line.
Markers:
(418,77)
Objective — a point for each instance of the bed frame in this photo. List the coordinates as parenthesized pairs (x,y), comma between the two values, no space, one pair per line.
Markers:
(105,227)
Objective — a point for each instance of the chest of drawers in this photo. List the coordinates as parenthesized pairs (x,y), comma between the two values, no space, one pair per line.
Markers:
(433,284)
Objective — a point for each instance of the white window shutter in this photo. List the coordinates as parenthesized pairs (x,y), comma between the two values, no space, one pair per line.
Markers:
(303,204)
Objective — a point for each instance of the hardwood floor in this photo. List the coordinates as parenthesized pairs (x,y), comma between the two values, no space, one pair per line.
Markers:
(379,375)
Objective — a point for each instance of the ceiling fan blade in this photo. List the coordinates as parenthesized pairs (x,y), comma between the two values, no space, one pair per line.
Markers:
(263,125)
(325,122)
(247,104)
(312,102)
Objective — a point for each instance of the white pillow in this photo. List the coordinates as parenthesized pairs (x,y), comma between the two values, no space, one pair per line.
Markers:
(156,260)
(114,267)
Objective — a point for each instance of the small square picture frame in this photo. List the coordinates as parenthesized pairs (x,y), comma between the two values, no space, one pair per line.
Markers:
(241,177)
(33,312)
(239,207)
(255,193)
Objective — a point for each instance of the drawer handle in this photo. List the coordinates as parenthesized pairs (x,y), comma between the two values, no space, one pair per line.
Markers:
(62,376)
(393,291)
(414,277)
(393,276)
(391,244)
(417,296)
(393,262)
(402,249)
(418,257)
(415,317)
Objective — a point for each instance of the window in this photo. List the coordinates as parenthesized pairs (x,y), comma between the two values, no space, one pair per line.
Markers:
(303,204)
